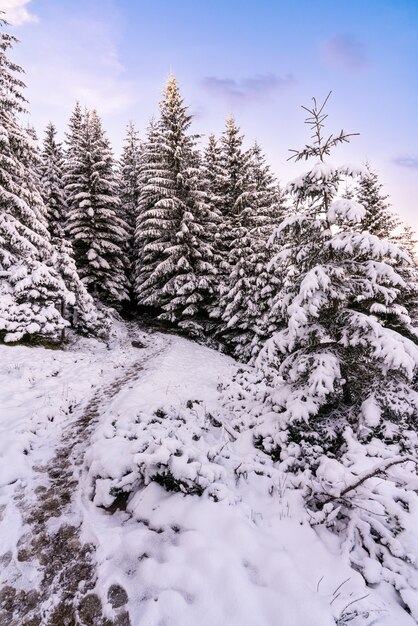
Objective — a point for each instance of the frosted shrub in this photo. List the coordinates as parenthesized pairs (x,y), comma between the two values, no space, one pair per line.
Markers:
(172,453)
(179,448)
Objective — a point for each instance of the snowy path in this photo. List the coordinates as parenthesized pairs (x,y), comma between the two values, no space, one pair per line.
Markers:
(51,552)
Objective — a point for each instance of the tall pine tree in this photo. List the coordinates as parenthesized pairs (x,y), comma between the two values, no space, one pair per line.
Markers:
(174,272)
(214,175)
(95,225)
(51,172)
(129,169)
(234,185)
(380,220)
(246,295)
(81,311)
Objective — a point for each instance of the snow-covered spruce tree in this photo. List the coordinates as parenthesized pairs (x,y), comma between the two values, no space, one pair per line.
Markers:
(72,165)
(75,126)
(147,231)
(214,174)
(407,240)
(31,291)
(232,183)
(214,178)
(82,312)
(95,225)
(339,305)
(51,172)
(378,219)
(72,150)
(234,160)
(174,273)
(129,189)
(247,290)
(334,399)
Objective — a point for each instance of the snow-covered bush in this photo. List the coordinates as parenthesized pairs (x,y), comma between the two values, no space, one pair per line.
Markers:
(170,454)
(369,497)
(183,448)
(176,447)
(28,308)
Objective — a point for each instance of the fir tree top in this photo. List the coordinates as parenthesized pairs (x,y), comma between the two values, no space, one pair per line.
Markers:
(173,111)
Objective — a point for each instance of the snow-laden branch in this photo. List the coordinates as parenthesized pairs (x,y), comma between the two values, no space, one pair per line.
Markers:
(369,474)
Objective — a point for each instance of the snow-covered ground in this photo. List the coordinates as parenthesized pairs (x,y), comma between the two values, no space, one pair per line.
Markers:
(237,552)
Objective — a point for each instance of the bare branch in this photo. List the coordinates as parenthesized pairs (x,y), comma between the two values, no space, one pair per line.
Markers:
(371,474)
(325,102)
(320,147)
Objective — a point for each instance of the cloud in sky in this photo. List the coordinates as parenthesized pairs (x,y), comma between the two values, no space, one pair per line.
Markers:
(256,87)
(407,160)
(198,112)
(16,12)
(344,52)
(81,62)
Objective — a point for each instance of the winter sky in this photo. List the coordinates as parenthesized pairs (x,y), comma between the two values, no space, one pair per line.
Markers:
(259,59)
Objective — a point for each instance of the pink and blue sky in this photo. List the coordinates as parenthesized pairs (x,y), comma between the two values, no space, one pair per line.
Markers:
(259,59)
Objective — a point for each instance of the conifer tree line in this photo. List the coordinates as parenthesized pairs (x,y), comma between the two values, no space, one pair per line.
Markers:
(171,231)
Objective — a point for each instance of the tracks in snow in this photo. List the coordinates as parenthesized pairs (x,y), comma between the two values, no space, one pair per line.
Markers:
(52,544)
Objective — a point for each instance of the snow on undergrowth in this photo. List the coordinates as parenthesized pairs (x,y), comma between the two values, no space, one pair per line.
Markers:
(199,512)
